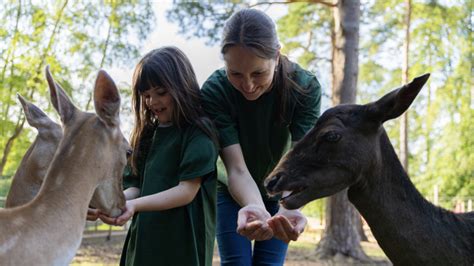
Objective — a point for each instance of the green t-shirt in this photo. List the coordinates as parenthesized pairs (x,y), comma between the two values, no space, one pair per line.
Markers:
(255,125)
(183,235)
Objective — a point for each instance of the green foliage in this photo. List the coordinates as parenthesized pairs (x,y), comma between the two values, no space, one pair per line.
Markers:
(441,118)
(208,17)
(5,182)
(75,38)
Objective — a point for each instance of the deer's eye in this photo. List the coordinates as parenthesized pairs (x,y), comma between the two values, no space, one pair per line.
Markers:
(332,136)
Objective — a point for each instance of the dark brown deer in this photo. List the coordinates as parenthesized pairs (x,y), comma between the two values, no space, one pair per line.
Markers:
(349,148)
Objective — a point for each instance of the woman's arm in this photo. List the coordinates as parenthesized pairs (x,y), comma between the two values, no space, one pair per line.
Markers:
(252,218)
(242,187)
(177,196)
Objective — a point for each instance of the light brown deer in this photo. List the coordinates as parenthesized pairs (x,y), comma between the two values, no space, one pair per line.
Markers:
(91,156)
(30,173)
(349,148)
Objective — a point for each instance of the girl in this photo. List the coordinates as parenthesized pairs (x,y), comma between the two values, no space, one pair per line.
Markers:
(171,184)
(258,102)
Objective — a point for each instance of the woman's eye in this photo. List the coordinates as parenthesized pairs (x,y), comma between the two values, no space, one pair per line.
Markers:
(332,136)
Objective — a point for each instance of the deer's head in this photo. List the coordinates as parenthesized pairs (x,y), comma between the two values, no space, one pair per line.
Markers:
(340,150)
(96,141)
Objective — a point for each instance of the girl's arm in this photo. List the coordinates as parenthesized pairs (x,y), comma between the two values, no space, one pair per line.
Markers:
(131,193)
(177,196)
(252,218)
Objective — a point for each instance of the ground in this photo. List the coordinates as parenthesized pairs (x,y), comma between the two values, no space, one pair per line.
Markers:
(99,251)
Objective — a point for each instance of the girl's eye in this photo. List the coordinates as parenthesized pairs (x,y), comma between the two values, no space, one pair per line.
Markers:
(236,74)
(257,74)
(161,93)
(332,136)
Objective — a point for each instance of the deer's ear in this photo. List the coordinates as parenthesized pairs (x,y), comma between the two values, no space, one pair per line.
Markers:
(106,99)
(59,99)
(34,115)
(396,102)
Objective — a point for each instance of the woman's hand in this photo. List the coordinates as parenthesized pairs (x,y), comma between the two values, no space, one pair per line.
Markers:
(287,224)
(252,223)
(127,214)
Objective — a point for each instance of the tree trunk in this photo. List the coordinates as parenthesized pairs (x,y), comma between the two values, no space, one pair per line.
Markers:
(405,70)
(341,236)
(10,141)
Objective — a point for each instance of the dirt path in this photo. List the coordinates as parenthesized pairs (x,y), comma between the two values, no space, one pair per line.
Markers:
(98,251)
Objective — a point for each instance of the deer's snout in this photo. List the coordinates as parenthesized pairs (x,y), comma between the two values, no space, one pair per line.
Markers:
(271,183)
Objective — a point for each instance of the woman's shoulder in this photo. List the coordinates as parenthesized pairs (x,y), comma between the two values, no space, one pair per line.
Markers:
(195,131)
(217,80)
(301,76)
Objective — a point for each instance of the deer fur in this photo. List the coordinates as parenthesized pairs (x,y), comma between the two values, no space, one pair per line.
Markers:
(349,148)
(90,157)
(30,173)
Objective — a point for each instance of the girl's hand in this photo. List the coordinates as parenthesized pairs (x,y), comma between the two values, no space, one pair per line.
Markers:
(92,214)
(252,223)
(128,213)
(287,225)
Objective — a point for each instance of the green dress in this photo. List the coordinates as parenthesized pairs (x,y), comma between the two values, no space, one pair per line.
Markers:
(183,235)
(256,125)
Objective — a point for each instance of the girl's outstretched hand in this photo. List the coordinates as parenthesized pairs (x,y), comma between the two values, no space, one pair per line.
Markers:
(127,214)
(92,214)
(287,225)
(252,223)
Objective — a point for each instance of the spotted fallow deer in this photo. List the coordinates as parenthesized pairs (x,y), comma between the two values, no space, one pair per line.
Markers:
(349,148)
(90,157)
(30,173)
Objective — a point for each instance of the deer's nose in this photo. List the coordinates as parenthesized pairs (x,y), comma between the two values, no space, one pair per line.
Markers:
(271,182)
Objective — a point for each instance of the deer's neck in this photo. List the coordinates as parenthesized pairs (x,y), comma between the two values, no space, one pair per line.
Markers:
(407,227)
(32,170)
(57,215)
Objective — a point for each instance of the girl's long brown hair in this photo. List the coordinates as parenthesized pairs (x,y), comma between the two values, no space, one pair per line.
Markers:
(169,68)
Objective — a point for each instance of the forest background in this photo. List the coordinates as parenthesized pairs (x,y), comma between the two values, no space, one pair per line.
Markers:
(76,38)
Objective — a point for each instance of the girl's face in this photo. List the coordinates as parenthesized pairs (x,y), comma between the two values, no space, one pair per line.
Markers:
(160,103)
(249,74)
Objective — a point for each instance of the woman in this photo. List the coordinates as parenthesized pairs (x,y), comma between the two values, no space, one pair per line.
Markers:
(258,102)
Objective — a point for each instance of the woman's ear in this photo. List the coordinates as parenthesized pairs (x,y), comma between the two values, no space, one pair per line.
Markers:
(277,61)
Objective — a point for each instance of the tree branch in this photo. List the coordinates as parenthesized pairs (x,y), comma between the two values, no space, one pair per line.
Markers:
(329,4)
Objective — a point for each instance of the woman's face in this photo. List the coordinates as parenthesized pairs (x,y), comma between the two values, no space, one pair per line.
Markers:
(160,103)
(249,74)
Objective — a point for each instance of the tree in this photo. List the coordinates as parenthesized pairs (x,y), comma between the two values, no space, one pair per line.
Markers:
(405,70)
(75,38)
